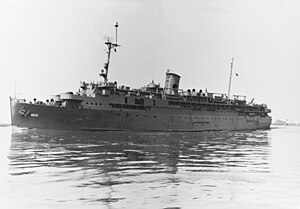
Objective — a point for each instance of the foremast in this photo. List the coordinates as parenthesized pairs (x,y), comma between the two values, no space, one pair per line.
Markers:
(110,45)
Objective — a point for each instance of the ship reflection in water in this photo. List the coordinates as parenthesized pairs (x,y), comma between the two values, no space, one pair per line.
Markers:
(139,169)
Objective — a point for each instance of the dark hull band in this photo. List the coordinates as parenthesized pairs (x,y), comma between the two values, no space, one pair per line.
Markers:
(156,119)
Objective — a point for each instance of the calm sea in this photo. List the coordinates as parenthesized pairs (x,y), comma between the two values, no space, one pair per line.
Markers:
(215,170)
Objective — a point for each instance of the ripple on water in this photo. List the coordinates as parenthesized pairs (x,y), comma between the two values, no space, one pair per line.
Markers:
(127,169)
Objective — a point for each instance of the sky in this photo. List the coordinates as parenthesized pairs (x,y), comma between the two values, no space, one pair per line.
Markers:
(48,46)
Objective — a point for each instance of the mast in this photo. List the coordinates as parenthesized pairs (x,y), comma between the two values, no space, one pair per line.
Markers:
(110,46)
(116,26)
(231,67)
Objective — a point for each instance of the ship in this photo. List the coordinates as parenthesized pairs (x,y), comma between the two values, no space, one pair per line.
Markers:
(107,106)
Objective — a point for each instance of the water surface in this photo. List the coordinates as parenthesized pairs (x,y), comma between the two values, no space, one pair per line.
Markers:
(235,169)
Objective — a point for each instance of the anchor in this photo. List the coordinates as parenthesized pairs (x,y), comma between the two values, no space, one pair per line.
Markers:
(24,112)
